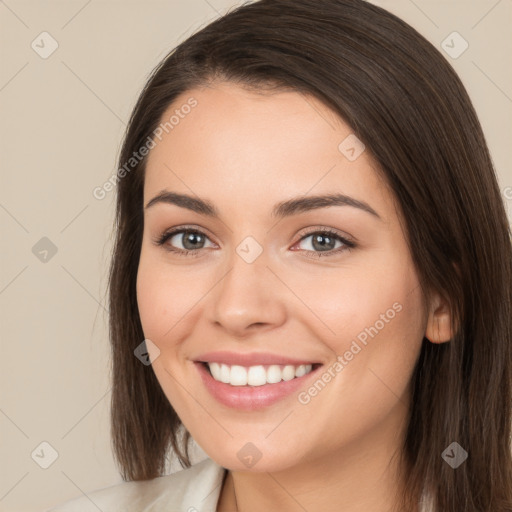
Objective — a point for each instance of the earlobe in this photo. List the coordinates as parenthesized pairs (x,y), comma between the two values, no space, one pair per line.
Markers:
(439,329)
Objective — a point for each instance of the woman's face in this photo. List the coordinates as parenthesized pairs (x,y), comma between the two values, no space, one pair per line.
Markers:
(266,281)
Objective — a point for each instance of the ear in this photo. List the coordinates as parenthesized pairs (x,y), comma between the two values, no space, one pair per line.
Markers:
(439,321)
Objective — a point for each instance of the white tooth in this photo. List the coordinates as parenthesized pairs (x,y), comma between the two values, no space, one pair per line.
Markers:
(256,376)
(300,371)
(225,373)
(288,372)
(215,369)
(238,376)
(274,374)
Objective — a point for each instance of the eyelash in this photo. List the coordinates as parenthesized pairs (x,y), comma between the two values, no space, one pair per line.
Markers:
(347,244)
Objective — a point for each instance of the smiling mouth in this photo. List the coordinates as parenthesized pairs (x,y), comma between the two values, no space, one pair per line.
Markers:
(257,375)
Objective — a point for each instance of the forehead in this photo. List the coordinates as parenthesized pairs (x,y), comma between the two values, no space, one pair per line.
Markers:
(260,147)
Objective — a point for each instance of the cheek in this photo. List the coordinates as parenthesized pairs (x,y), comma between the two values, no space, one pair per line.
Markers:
(376,357)
(382,339)
(373,317)
(356,303)
(165,297)
(152,302)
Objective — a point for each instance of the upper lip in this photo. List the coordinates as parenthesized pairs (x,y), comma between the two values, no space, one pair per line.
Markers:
(251,359)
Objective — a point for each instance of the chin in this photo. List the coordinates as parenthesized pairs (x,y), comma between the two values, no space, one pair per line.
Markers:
(248,457)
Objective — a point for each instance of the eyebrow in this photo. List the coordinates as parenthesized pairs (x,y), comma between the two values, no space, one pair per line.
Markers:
(280,210)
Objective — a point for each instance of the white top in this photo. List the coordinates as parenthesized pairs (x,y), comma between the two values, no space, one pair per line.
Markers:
(195,489)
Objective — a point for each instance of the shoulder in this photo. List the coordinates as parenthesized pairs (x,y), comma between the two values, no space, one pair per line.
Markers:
(195,489)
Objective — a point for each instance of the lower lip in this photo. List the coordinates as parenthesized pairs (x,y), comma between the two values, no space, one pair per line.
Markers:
(250,398)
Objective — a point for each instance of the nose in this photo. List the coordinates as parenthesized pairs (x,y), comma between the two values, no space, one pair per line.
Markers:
(248,298)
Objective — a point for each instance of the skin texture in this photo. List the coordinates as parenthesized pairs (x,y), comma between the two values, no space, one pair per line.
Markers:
(245,152)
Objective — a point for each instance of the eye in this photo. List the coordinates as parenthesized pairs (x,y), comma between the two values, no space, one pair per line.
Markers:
(191,240)
(324,243)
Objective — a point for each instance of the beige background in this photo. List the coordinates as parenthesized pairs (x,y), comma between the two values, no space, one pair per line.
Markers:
(62,119)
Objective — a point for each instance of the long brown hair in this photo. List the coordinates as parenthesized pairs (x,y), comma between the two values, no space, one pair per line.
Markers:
(405,102)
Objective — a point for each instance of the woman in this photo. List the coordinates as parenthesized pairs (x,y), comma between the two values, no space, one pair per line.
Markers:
(313,270)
